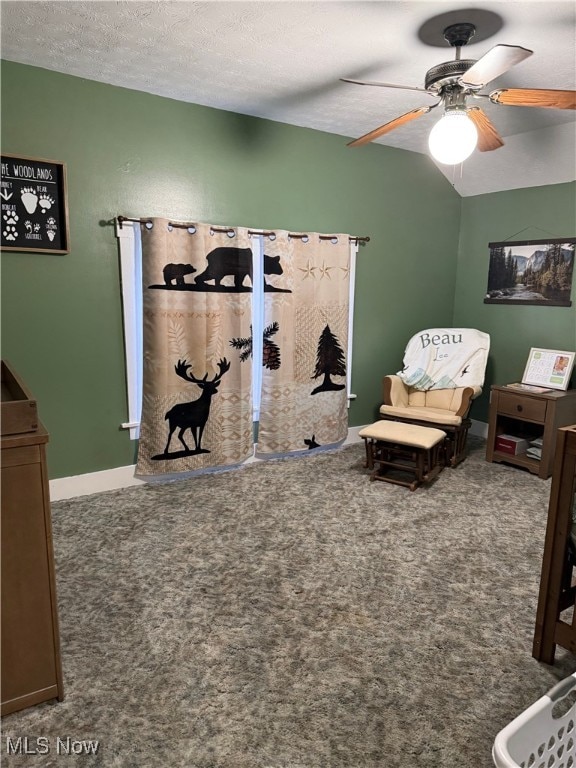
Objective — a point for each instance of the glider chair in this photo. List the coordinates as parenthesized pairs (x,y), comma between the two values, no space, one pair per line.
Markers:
(443,373)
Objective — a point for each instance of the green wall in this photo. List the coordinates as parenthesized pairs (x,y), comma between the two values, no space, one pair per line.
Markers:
(523,214)
(135,154)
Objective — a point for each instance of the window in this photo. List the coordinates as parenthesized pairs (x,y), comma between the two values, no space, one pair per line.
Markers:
(130,246)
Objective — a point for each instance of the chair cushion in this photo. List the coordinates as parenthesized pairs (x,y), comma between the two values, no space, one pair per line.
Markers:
(441,399)
(433,415)
(404,434)
(457,401)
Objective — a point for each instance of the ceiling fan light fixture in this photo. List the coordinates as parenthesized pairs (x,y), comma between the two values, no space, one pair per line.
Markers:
(453,138)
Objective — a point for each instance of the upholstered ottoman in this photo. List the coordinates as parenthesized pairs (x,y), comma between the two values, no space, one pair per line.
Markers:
(403,448)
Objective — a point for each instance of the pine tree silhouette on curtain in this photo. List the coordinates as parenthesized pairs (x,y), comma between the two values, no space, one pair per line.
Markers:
(330,361)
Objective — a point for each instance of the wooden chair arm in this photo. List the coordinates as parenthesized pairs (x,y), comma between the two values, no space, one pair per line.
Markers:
(394,391)
(468,394)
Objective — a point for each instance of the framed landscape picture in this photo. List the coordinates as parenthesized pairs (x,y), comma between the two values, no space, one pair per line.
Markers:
(34,205)
(531,272)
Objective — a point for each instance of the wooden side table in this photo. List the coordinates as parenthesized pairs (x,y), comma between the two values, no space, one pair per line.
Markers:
(529,415)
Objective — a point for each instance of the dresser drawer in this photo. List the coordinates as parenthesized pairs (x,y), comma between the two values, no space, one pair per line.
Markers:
(530,408)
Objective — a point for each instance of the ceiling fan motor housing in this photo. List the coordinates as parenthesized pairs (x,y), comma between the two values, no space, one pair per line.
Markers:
(459,34)
(445,73)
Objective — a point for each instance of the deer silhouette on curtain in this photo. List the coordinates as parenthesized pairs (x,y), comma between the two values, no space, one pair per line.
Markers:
(198,319)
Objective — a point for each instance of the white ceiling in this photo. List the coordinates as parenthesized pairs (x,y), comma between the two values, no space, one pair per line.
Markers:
(283,61)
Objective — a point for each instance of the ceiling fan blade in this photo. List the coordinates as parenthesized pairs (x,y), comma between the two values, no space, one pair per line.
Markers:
(488,136)
(385,85)
(498,60)
(534,97)
(396,123)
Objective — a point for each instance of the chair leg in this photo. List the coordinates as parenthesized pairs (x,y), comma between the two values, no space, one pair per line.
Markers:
(434,461)
(369,445)
(458,443)
(420,462)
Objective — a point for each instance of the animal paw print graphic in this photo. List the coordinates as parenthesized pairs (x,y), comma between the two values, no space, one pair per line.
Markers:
(51,228)
(28,225)
(9,232)
(36,227)
(46,202)
(30,199)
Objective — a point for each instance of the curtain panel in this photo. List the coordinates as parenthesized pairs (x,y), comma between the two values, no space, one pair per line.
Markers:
(197,396)
(304,403)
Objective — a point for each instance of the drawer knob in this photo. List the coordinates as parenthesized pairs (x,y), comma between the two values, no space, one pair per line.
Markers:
(519,408)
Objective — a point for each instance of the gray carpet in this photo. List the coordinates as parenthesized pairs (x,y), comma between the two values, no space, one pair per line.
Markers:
(295,615)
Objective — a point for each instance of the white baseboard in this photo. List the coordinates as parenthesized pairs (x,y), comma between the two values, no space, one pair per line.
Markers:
(353,436)
(93,482)
(123,477)
(479,429)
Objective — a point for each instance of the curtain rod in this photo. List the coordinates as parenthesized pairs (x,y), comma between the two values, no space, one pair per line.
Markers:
(298,235)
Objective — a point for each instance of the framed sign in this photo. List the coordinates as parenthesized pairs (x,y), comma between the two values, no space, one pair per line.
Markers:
(34,205)
(549,368)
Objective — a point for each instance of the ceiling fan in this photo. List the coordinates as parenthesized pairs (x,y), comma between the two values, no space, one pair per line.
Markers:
(453,83)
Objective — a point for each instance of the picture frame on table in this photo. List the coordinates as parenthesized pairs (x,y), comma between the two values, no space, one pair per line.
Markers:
(549,368)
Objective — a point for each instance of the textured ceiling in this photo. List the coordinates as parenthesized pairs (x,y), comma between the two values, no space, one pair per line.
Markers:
(283,61)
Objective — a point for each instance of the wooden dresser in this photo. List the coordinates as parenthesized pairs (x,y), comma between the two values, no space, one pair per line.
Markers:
(30,659)
(557,597)
(529,415)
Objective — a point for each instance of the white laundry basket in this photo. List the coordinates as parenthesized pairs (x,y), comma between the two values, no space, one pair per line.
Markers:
(544,735)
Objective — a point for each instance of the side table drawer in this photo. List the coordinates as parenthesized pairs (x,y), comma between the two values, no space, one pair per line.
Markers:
(522,407)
